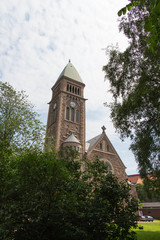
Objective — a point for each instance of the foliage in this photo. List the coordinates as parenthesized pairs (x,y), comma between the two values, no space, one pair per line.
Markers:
(134,77)
(148,191)
(19,124)
(151,186)
(142,194)
(46,196)
(152,24)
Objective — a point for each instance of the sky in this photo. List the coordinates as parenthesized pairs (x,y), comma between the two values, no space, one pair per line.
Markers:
(37,39)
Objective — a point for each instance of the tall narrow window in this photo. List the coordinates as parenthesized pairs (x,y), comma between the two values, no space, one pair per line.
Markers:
(72,114)
(68,87)
(67,113)
(54,115)
(107,148)
(100,146)
(77,115)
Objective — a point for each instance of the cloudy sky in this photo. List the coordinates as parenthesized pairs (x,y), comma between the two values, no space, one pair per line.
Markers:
(37,38)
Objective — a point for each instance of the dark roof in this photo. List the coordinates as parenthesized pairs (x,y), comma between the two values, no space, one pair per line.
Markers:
(90,143)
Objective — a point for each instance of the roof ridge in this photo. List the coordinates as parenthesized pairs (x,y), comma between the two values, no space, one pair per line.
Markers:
(94,137)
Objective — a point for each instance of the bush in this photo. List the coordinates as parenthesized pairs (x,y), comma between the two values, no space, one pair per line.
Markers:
(45,196)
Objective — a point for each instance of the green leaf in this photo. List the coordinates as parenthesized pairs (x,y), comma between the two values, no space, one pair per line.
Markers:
(129,7)
(120,13)
(124,10)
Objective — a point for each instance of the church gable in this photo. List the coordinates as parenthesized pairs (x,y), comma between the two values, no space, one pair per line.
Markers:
(101,147)
(104,145)
(100,143)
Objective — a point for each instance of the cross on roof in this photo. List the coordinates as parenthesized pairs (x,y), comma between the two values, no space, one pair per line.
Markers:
(103,128)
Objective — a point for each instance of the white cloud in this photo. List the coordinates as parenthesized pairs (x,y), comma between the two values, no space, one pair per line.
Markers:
(37,39)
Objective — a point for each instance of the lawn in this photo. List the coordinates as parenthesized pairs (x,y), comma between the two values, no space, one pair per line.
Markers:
(150,231)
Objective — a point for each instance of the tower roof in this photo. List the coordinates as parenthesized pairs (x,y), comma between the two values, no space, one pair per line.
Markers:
(70,72)
(72,139)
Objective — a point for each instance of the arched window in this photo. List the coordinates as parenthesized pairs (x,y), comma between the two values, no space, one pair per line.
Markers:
(77,116)
(108,166)
(72,114)
(100,146)
(67,113)
(72,89)
(75,90)
(68,87)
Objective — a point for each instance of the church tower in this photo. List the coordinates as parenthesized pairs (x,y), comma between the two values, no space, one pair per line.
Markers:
(66,115)
(66,123)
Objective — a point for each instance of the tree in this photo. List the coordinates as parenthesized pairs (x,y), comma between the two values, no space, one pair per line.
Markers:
(146,193)
(19,124)
(46,196)
(142,193)
(152,24)
(134,77)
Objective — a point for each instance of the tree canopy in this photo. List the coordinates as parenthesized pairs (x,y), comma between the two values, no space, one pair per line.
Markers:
(20,126)
(152,23)
(134,77)
(46,196)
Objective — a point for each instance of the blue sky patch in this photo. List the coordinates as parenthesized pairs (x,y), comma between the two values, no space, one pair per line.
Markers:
(52,46)
(94,115)
(27,16)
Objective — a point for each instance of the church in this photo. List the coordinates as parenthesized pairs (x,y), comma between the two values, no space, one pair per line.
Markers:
(66,123)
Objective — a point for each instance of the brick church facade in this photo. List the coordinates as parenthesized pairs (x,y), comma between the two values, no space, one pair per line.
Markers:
(66,122)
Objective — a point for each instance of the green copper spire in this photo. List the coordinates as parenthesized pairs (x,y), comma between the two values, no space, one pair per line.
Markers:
(70,72)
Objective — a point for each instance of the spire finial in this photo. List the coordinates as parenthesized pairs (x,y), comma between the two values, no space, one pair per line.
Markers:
(69,60)
(103,128)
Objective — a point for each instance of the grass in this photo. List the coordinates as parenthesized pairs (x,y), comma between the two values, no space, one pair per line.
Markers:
(150,231)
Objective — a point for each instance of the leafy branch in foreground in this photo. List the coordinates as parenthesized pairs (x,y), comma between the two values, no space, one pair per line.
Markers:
(134,77)
(20,127)
(46,196)
(152,23)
